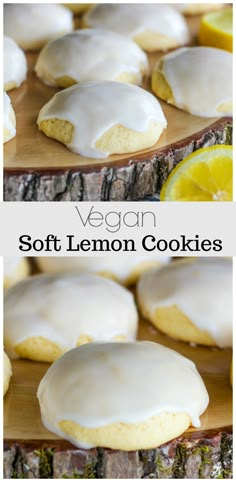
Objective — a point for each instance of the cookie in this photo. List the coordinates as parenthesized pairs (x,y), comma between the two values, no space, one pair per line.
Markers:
(14,64)
(78,8)
(124,396)
(96,119)
(152,26)
(7,373)
(190,300)
(9,119)
(183,77)
(125,270)
(32,25)
(91,55)
(76,309)
(15,268)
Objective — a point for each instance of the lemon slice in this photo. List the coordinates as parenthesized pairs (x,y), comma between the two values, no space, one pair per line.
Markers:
(205,175)
(216,30)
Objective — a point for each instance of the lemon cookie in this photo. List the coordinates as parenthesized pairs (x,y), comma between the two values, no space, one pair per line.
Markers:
(152,26)
(32,25)
(9,119)
(90,55)
(124,269)
(197,8)
(15,64)
(15,268)
(46,315)
(183,77)
(96,119)
(190,300)
(7,373)
(124,396)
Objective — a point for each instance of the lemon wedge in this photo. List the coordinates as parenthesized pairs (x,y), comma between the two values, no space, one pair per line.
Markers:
(216,30)
(205,175)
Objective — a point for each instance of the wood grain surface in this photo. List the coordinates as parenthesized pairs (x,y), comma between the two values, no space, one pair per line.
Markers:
(21,410)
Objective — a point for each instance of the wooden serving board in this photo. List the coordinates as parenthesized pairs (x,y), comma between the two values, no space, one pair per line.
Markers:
(29,444)
(41,169)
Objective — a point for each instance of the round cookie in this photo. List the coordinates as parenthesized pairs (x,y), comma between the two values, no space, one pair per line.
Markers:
(91,55)
(46,315)
(190,300)
(197,8)
(7,373)
(15,64)
(152,26)
(96,119)
(32,25)
(125,270)
(183,77)
(124,396)
(15,268)
(9,119)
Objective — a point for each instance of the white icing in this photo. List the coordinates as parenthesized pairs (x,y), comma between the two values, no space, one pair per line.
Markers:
(120,266)
(63,307)
(90,54)
(94,107)
(200,79)
(109,383)
(15,64)
(11,264)
(32,24)
(9,121)
(201,288)
(133,19)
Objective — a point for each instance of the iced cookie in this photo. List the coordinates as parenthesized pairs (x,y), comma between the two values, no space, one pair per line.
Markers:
(152,26)
(15,269)
(96,119)
(7,373)
(197,80)
(78,8)
(190,300)
(32,25)
(124,269)
(124,396)
(9,119)
(15,64)
(46,315)
(90,55)
(197,8)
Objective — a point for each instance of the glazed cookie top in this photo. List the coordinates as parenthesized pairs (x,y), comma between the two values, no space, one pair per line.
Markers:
(120,266)
(136,381)
(94,107)
(32,25)
(8,117)
(15,65)
(60,308)
(189,73)
(201,288)
(133,19)
(90,54)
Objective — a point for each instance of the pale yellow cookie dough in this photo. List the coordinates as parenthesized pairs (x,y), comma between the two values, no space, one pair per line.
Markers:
(197,8)
(9,119)
(7,373)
